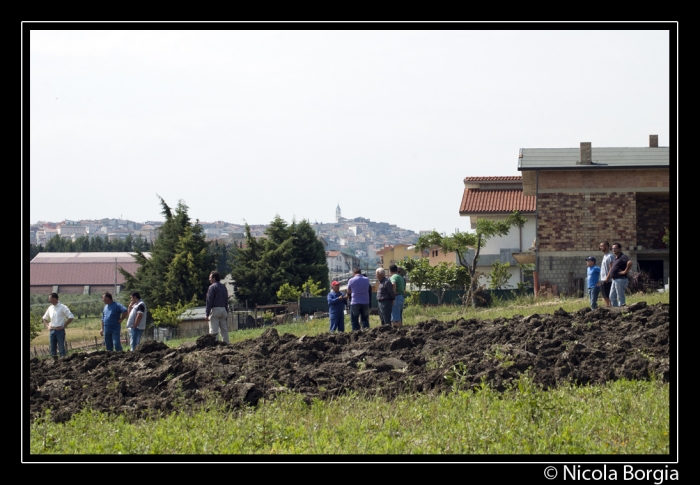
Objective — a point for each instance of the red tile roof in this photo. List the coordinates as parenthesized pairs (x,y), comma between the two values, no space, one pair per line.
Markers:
(488,201)
(77,273)
(79,268)
(493,179)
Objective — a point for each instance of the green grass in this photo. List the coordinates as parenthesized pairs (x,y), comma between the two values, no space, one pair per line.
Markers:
(623,417)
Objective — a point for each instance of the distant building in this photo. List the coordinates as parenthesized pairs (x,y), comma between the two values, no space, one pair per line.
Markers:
(395,254)
(79,273)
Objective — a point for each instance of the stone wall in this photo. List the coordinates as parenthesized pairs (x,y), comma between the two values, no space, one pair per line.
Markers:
(558,270)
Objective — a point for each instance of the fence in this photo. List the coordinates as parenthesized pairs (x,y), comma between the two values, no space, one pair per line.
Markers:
(43,350)
(451,297)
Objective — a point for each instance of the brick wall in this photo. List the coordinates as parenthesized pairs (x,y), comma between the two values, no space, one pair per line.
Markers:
(604,179)
(653,215)
(579,221)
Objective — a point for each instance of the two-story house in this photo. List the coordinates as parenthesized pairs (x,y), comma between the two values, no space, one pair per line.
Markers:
(587,195)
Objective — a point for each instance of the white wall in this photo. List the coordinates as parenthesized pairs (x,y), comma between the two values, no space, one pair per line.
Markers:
(513,238)
(516,238)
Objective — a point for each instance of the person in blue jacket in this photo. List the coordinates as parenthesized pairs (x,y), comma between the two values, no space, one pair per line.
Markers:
(336,308)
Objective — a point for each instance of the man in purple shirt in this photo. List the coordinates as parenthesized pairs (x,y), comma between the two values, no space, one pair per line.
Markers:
(217,307)
(358,291)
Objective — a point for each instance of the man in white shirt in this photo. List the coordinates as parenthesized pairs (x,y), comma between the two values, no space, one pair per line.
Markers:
(57,318)
(605,265)
(137,319)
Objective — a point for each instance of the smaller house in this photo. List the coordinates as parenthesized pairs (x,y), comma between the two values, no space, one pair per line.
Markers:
(494,198)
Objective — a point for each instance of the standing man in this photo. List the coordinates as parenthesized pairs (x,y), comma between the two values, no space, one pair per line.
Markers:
(618,274)
(593,273)
(399,285)
(358,291)
(385,296)
(217,306)
(336,307)
(137,319)
(57,318)
(605,266)
(113,314)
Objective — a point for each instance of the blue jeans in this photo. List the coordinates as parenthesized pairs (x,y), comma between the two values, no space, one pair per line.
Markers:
(593,296)
(57,337)
(397,309)
(113,339)
(134,337)
(617,292)
(357,311)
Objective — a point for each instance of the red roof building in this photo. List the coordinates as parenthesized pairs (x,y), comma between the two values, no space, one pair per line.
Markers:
(79,273)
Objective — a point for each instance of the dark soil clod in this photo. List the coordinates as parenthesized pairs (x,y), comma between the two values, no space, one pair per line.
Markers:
(584,347)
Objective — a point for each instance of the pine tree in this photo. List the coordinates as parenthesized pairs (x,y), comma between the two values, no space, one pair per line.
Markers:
(289,254)
(180,263)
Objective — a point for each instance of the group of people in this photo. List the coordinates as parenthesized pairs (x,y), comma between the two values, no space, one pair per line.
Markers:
(611,277)
(58,316)
(390,299)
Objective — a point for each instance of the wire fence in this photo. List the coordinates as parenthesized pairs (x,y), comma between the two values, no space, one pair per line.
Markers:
(42,351)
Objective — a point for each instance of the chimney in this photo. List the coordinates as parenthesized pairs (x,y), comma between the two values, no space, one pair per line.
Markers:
(653,141)
(585,153)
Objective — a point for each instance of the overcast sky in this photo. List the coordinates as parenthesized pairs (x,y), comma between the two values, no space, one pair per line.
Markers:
(243,125)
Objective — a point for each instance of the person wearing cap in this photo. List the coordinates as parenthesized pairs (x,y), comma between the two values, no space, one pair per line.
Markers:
(593,274)
(336,307)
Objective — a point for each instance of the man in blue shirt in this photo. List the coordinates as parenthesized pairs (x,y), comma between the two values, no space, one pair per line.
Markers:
(593,273)
(113,314)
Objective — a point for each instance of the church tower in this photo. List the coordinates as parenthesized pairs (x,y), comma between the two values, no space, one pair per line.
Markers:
(337,213)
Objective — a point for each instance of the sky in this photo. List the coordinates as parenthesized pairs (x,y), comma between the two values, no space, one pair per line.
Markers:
(243,125)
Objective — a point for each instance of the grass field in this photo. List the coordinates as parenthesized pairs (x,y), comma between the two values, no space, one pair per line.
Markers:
(622,417)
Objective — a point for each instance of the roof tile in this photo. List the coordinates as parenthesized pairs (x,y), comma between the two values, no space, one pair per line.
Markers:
(489,201)
(493,179)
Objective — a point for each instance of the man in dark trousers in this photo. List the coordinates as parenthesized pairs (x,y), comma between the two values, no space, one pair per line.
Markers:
(385,296)
(217,307)
(359,291)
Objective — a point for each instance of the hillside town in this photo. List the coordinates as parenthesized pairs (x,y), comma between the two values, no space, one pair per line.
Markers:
(349,242)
